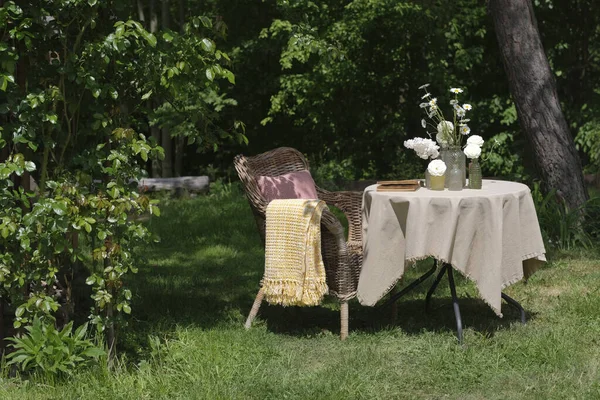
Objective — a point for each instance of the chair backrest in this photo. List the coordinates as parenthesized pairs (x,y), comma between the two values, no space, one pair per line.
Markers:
(274,162)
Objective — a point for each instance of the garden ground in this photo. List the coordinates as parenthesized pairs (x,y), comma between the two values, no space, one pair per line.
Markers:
(185,339)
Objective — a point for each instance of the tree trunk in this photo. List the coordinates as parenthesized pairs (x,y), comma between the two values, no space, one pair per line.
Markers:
(189,183)
(165,14)
(152,104)
(182,7)
(167,140)
(153,17)
(179,151)
(167,162)
(533,89)
(180,141)
(141,16)
(155,132)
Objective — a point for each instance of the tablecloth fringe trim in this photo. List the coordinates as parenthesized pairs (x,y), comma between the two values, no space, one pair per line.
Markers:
(413,260)
(512,281)
(397,278)
(535,254)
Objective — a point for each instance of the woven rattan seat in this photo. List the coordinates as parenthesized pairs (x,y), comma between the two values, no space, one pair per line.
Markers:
(342,257)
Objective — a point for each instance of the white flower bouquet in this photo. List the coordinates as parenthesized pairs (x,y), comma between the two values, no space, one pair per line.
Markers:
(425,148)
(449,135)
(446,132)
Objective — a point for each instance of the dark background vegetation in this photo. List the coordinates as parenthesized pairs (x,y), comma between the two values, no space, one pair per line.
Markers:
(338,80)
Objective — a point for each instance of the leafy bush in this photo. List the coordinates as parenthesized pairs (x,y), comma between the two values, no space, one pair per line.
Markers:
(565,228)
(502,157)
(74,221)
(53,352)
(592,218)
(78,82)
(331,174)
(220,189)
(588,140)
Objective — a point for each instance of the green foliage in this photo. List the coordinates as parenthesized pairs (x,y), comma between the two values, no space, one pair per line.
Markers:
(330,175)
(502,159)
(348,71)
(219,189)
(46,350)
(565,228)
(335,79)
(67,122)
(588,140)
(182,73)
(38,238)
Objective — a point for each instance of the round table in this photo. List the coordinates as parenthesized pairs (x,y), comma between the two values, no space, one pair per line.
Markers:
(490,235)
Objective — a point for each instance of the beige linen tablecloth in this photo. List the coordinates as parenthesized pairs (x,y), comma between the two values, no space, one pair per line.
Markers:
(491,236)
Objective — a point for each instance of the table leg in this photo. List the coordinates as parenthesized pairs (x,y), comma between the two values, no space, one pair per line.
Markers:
(434,286)
(411,286)
(459,330)
(515,304)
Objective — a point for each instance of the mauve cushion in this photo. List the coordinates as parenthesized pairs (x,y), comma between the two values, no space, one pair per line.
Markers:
(293,185)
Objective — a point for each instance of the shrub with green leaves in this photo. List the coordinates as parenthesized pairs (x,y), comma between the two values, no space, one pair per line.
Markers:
(588,140)
(73,92)
(565,228)
(75,221)
(80,84)
(47,350)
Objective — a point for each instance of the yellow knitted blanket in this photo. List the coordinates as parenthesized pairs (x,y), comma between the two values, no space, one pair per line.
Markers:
(294,270)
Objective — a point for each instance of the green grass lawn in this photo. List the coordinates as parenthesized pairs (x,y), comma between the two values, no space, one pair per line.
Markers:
(185,339)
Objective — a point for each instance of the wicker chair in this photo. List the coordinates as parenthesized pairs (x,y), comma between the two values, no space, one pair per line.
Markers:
(342,258)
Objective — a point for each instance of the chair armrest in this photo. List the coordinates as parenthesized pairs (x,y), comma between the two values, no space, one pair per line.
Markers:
(350,203)
(342,267)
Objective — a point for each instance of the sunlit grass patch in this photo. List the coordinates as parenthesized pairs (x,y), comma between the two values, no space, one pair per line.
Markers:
(185,339)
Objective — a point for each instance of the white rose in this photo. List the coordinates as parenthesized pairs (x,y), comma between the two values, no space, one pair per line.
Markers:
(445,129)
(436,168)
(475,139)
(472,150)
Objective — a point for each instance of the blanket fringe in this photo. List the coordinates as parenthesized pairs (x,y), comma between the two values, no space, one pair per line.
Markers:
(292,293)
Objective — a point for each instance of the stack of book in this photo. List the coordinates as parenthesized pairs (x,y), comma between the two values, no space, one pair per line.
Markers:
(409,185)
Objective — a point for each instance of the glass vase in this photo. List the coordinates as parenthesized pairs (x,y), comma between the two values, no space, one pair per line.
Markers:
(437,182)
(427,178)
(475,174)
(456,173)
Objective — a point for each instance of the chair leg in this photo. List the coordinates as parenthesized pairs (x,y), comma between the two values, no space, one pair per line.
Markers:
(344,320)
(255,307)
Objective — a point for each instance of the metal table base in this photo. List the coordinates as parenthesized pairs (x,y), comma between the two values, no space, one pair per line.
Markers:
(447,269)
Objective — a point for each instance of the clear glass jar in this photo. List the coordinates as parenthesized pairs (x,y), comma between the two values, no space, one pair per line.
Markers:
(475,174)
(456,173)
(451,155)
